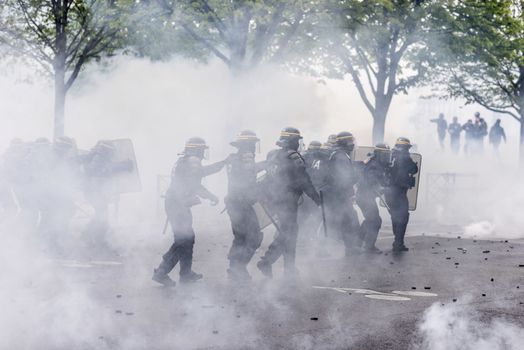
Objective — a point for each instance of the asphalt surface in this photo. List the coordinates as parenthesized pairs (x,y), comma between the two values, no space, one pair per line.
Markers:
(361,302)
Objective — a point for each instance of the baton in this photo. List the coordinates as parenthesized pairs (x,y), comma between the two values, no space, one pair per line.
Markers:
(270,217)
(324,224)
(383,202)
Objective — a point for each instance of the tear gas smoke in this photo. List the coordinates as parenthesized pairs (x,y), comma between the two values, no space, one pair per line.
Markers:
(459,326)
(158,106)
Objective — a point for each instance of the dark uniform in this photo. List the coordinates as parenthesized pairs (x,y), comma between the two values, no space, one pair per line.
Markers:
(372,181)
(58,206)
(469,130)
(442,126)
(99,169)
(309,217)
(285,182)
(401,178)
(339,193)
(185,191)
(496,135)
(241,196)
(480,130)
(454,130)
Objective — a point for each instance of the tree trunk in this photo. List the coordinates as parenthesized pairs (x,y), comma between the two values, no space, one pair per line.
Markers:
(521,143)
(379,119)
(60,96)
(59,65)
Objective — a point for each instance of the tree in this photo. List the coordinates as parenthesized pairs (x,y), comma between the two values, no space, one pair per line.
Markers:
(61,36)
(483,52)
(241,33)
(381,45)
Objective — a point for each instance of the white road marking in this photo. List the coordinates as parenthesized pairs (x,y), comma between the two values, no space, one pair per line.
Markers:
(373,294)
(390,297)
(414,293)
(106,263)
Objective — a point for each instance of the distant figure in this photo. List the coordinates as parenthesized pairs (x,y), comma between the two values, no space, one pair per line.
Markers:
(480,131)
(442,126)
(469,129)
(454,130)
(496,135)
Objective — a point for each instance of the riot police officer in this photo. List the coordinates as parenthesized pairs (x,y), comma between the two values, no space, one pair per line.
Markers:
(339,193)
(241,196)
(184,192)
(99,169)
(401,178)
(371,183)
(309,216)
(285,182)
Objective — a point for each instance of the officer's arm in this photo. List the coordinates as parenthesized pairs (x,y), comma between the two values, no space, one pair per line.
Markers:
(414,167)
(261,166)
(309,189)
(503,135)
(204,193)
(211,169)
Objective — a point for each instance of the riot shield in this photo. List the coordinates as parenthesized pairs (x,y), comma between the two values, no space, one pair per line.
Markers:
(263,216)
(362,152)
(413,192)
(125,181)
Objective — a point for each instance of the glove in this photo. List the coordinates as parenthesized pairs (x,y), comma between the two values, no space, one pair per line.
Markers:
(214,201)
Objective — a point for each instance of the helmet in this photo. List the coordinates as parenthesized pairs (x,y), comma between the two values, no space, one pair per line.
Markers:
(314,146)
(42,141)
(332,139)
(245,139)
(64,141)
(195,146)
(402,144)
(382,153)
(289,138)
(64,144)
(477,114)
(345,139)
(105,147)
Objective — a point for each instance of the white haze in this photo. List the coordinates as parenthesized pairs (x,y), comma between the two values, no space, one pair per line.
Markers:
(158,106)
(459,326)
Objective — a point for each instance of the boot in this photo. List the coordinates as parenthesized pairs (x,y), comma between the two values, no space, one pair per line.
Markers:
(190,277)
(372,250)
(238,273)
(265,268)
(161,277)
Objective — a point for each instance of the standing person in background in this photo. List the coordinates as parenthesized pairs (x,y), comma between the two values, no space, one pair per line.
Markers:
(469,130)
(454,130)
(480,131)
(185,191)
(401,179)
(442,126)
(496,135)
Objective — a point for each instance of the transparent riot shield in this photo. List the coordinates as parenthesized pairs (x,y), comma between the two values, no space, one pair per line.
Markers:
(413,192)
(125,181)
(362,152)
(263,216)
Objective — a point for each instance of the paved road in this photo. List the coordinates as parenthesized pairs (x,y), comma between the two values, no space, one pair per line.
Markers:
(364,302)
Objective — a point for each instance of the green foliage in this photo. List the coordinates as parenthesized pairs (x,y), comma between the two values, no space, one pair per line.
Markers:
(482,54)
(240,33)
(62,34)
